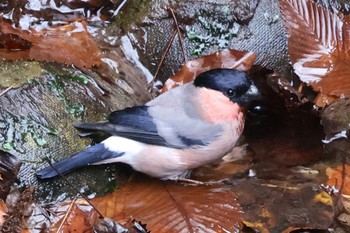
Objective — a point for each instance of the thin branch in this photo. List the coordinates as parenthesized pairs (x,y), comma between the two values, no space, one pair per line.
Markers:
(162,59)
(116,12)
(66,215)
(179,33)
(6,90)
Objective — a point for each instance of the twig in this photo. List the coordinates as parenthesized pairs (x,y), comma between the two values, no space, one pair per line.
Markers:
(179,33)
(162,59)
(341,188)
(301,87)
(70,184)
(116,12)
(66,215)
(6,90)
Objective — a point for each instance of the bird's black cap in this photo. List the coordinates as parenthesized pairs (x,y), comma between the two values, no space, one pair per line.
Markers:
(234,84)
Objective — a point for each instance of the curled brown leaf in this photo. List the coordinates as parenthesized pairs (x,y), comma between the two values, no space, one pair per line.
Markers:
(240,60)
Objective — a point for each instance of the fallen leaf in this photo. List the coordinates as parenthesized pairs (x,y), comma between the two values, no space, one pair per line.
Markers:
(336,117)
(9,168)
(171,207)
(75,216)
(339,178)
(68,44)
(160,206)
(239,60)
(19,208)
(318,45)
(3,212)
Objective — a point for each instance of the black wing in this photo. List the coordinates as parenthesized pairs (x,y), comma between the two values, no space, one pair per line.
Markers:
(137,124)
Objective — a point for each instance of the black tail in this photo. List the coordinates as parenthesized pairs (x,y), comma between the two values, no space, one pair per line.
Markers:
(90,155)
(88,128)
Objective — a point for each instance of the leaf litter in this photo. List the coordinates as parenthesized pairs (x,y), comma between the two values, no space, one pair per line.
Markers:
(280,169)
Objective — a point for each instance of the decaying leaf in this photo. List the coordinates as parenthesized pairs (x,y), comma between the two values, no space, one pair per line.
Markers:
(224,59)
(336,117)
(318,45)
(171,207)
(3,212)
(9,168)
(19,208)
(74,216)
(68,44)
(160,206)
(339,178)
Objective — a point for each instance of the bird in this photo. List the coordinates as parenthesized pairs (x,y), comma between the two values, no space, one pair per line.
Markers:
(189,126)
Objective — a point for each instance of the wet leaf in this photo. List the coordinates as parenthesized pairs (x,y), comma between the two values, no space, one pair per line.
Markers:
(318,45)
(19,208)
(9,168)
(171,207)
(68,44)
(223,59)
(3,211)
(73,216)
(161,207)
(336,117)
(339,178)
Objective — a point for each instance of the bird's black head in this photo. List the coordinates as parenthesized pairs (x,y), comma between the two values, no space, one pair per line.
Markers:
(234,84)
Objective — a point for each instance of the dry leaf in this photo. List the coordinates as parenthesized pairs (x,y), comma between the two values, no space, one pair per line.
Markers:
(318,45)
(223,59)
(68,44)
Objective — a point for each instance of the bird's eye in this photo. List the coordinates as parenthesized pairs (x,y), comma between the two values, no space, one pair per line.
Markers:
(230,92)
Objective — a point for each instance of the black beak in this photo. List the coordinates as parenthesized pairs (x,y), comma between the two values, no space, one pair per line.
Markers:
(252,94)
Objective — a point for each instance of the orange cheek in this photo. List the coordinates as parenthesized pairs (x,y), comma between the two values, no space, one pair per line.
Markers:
(218,107)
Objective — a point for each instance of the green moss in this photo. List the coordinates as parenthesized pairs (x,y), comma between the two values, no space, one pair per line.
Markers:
(131,12)
(211,30)
(56,85)
(17,130)
(16,73)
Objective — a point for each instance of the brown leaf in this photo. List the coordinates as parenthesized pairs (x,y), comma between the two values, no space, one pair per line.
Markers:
(318,46)
(336,117)
(75,216)
(68,44)
(171,207)
(3,212)
(9,168)
(19,208)
(223,59)
(339,178)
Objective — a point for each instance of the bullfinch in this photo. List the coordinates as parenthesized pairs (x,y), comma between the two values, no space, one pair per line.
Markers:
(189,126)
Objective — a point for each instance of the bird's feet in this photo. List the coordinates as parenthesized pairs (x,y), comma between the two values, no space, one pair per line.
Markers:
(197,182)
